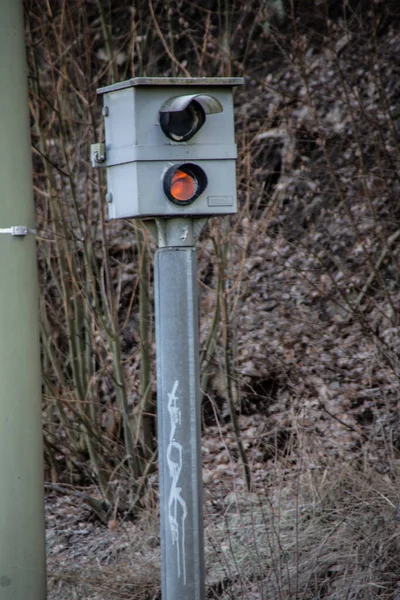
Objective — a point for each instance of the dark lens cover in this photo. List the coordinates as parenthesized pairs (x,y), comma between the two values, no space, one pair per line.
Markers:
(182,125)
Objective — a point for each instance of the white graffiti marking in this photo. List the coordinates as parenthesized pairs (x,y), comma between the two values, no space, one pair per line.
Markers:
(177,509)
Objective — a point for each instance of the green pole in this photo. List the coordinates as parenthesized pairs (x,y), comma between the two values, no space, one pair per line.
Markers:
(22,540)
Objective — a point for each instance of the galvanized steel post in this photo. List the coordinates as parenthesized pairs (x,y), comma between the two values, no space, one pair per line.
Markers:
(178,406)
(22,547)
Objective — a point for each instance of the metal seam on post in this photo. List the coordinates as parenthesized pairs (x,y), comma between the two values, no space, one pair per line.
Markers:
(196,484)
(159,370)
(189,316)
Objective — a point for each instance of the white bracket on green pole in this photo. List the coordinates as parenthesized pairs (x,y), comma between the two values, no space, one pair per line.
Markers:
(18,230)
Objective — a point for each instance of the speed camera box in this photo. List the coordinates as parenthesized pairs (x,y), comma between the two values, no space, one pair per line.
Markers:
(138,152)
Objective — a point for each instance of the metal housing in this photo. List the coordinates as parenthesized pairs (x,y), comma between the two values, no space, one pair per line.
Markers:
(138,153)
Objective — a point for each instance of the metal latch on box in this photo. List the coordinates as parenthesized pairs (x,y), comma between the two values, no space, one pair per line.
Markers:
(98,154)
(18,230)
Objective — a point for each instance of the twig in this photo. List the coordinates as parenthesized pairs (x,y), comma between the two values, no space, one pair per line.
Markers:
(370,279)
(339,420)
(164,43)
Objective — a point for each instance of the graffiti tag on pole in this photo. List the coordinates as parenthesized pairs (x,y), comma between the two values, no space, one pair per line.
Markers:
(177,508)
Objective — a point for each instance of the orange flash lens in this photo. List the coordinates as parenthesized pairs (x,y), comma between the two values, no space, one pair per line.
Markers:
(183,186)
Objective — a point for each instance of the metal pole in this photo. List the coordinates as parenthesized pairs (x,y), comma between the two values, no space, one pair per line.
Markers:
(22,547)
(178,405)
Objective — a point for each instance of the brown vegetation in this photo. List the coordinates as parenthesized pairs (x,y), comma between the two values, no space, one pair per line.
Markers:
(299,300)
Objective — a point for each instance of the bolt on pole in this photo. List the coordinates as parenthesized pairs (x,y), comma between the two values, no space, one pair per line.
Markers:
(22,533)
(178,411)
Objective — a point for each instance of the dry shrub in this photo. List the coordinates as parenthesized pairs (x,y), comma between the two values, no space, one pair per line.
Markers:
(319,531)
(299,293)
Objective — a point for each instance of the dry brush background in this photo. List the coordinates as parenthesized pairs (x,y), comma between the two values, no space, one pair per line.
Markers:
(299,301)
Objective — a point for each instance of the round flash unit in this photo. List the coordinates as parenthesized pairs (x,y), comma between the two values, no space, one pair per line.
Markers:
(184,183)
(182,125)
(183,186)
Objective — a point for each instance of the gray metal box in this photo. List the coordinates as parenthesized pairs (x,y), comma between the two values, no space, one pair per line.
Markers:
(137,153)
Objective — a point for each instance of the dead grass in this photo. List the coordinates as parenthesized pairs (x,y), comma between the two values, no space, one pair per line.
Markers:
(315,531)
